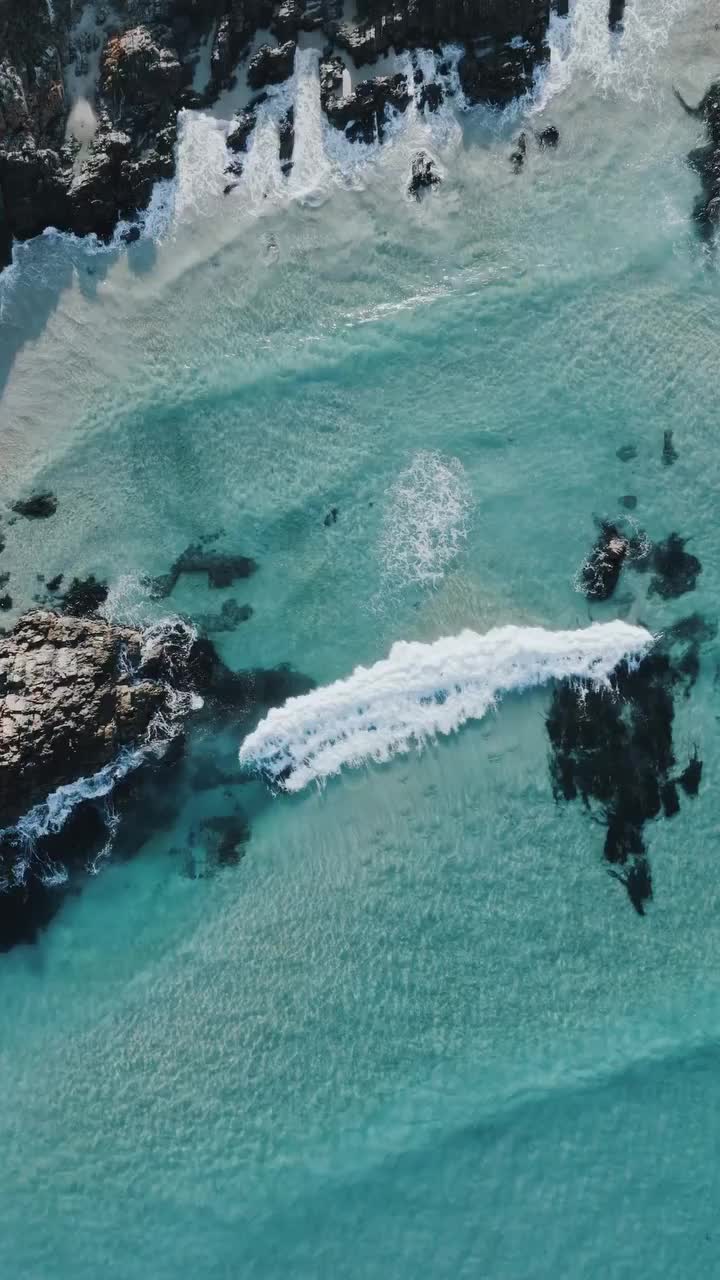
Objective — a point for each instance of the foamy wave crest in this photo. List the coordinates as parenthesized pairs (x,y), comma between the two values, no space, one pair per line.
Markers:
(426,520)
(422,690)
(582,45)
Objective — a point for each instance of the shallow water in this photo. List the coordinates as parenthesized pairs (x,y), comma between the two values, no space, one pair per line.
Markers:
(419,1028)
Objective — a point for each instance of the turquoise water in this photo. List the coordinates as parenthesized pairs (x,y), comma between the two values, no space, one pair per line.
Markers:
(418,1030)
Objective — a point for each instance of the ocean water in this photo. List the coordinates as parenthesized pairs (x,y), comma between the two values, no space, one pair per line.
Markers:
(418,1030)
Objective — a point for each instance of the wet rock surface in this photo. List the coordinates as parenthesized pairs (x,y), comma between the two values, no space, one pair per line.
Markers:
(72,694)
(364,113)
(613,749)
(147,52)
(423,175)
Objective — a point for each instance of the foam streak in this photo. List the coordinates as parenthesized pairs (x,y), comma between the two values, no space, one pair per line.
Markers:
(422,690)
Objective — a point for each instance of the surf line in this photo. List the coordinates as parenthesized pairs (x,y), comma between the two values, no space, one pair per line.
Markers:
(422,690)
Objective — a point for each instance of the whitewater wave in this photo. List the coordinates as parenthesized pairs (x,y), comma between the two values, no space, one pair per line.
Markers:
(422,690)
(583,47)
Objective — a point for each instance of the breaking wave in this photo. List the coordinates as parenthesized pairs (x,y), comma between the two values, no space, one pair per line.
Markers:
(422,690)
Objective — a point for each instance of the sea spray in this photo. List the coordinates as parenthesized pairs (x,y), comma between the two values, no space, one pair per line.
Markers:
(422,690)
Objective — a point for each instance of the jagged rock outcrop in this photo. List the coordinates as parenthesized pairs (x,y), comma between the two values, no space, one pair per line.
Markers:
(363,114)
(73,692)
(147,54)
(271,65)
(423,175)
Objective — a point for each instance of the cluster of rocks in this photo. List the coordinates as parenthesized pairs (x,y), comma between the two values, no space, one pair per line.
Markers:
(147,53)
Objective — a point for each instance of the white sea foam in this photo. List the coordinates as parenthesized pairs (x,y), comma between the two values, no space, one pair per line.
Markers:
(422,690)
(426,520)
(583,47)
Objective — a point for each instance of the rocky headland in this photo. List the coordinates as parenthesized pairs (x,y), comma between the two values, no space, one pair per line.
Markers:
(129,67)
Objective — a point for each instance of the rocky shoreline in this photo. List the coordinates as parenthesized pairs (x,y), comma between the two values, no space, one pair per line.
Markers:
(134,65)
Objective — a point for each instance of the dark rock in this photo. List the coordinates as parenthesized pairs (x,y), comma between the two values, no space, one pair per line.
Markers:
(271,66)
(6,602)
(706,162)
(601,571)
(500,74)
(54,584)
(626,453)
(675,570)
(331,517)
(4,579)
(669,797)
(231,186)
(240,130)
(84,596)
(690,778)
(517,157)
(613,749)
(131,235)
(286,130)
(140,67)
(38,507)
(363,114)
(431,96)
(669,453)
(235,167)
(548,137)
(616,13)
(423,175)
(629,501)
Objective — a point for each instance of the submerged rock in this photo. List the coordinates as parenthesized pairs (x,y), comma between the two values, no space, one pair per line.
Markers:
(626,452)
(39,507)
(517,157)
(549,136)
(221,568)
(675,571)
(669,453)
(613,749)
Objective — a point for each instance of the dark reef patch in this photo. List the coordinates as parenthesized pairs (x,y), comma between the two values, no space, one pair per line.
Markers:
(38,507)
(675,571)
(222,569)
(613,749)
(83,597)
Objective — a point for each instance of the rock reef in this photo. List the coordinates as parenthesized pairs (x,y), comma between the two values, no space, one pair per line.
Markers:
(73,693)
(134,66)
